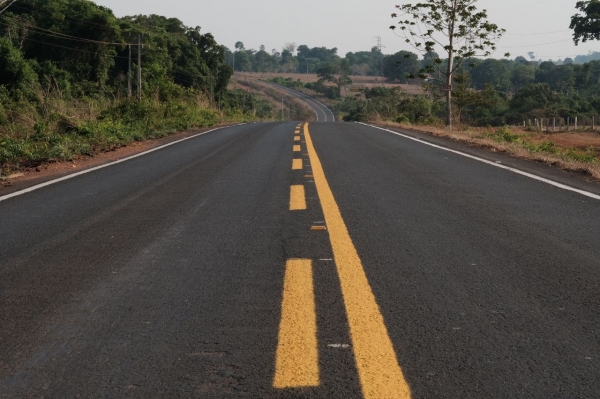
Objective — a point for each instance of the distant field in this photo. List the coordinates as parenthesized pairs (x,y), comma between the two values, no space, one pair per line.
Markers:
(357,81)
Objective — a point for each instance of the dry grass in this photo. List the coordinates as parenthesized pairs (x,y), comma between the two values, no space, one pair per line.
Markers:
(565,142)
(361,82)
(273,95)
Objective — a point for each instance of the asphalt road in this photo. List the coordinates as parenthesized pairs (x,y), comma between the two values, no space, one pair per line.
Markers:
(322,112)
(392,269)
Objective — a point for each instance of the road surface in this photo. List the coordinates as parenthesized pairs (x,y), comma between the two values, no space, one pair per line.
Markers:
(360,264)
(322,112)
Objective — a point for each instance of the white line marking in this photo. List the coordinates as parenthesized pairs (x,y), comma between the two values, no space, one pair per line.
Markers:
(339,346)
(83,172)
(497,165)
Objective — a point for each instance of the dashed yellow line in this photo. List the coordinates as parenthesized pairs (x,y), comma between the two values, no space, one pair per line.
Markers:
(297,138)
(297,148)
(297,164)
(297,363)
(297,198)
(380,374)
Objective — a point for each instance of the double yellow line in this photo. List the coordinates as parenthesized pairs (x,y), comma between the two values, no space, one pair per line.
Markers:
(297,353)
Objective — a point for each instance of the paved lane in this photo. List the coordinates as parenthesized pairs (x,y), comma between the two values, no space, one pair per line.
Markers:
(322,112)
(488,281)
(275,260)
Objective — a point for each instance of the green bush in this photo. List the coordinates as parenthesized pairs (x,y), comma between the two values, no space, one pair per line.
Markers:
(504,135)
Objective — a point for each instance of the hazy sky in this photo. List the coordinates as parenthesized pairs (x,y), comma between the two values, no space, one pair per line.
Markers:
(541,26)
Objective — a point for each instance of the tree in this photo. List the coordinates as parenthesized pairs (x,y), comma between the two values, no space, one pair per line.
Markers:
(291,47)
(242,61)
(491,71)
(586,27)
(400,66)
(535,97)
(521,76)
(288,62)
(454,25)
(336,72)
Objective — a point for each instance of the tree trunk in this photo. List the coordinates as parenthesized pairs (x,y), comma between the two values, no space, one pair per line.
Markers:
(449,70)
(449,92)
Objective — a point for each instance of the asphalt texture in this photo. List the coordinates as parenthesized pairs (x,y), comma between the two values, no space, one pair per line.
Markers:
(162,276)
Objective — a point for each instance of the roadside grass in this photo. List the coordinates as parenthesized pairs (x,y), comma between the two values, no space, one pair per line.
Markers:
(294,107)
(70,131)
(573,151)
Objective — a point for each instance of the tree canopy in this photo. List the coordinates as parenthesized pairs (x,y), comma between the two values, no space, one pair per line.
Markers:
(586,26)
(455,26)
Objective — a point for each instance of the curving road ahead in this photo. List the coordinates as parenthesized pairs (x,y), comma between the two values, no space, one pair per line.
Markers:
(321,111)
(278,260)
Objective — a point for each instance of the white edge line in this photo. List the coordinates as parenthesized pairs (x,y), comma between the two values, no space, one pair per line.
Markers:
(517,171)
(83,172)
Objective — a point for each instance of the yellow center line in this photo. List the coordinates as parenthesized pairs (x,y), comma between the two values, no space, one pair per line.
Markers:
(297,362)
(297,148)
(380,374)
(297,164)
(297,198)
(297,138)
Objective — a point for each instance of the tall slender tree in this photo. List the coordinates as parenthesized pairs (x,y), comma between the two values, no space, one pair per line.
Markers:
(456,26)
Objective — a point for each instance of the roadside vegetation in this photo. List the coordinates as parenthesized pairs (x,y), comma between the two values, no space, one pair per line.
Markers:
(64,69)
(64,85)
(545,110)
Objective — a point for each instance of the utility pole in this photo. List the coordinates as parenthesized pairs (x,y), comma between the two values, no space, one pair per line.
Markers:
(379,47)
(129,83)
(139,77)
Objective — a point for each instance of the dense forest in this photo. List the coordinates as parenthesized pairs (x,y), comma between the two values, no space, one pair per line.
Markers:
(64,73)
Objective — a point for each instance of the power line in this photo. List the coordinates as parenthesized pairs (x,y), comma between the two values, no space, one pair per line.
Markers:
(69,48)
(6,8)
(42,31)
(540,33)
(537,45)
(523,6)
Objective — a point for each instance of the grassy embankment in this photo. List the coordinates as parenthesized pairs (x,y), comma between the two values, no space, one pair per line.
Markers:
(68,130)
(577,151)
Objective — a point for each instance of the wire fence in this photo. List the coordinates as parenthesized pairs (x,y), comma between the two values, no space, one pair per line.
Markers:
(576,123)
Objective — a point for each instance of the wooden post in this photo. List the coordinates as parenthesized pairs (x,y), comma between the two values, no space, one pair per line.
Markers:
(575,124)
(554,124)
(593,123)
